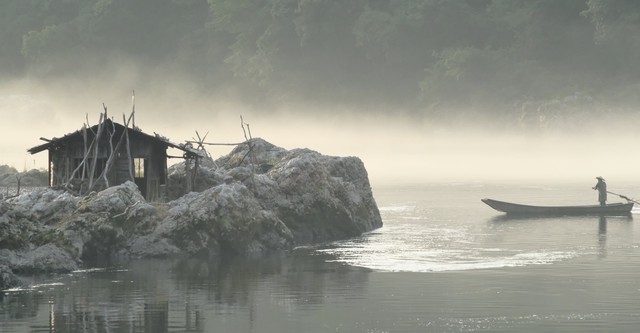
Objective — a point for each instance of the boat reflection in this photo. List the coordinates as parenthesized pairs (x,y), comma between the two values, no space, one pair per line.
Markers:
(525,218)
(499,222)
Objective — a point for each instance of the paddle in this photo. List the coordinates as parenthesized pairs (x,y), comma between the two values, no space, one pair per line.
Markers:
(624,197)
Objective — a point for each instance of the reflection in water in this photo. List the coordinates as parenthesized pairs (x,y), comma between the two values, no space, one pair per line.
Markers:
(156,317)
(602,237)
(172,295)
(52,318)
(193,318)
(532,222)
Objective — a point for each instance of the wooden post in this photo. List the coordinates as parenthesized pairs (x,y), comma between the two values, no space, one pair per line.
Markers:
(84,138)
(82,164)
(195,170)
(249,145)
(107,166)
(19,178)
(96,151)
(49,167)
(114,151)
(133,108)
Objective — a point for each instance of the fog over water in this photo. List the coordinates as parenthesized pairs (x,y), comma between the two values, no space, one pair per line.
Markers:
(397,147)
(422,91)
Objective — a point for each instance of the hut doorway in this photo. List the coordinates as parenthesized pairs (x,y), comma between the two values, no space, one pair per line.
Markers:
(140,173)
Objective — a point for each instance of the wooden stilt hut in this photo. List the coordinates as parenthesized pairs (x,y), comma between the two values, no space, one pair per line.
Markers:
(94,158)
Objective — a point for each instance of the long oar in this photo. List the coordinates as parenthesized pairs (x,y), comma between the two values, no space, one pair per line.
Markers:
(624,197)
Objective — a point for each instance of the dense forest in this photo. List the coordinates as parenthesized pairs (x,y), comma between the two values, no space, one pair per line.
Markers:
(525,60)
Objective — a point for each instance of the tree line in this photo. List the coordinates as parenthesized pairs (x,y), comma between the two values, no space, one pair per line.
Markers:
(433,56)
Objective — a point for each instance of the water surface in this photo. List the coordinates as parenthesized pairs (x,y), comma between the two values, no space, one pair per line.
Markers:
(443,262)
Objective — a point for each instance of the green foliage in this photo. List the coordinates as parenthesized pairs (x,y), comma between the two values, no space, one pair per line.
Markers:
(417,53)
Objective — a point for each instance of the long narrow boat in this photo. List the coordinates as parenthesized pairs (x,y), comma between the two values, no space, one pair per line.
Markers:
(615,209)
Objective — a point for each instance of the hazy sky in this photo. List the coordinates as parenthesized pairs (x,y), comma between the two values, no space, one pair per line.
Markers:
(395,149)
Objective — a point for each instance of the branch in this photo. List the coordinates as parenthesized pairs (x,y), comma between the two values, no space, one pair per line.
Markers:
(96,150)
(111,158)
(126,210)
(217,144)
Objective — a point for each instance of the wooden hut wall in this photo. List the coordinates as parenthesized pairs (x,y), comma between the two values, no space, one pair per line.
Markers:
(156,172)
(76,151)
(154,155)
(60,169)
(121,167)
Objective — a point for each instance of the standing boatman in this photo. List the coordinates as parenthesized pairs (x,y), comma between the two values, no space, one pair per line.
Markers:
(601,186)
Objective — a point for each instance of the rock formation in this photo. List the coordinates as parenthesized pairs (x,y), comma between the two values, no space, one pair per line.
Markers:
(7,278)
(258,198)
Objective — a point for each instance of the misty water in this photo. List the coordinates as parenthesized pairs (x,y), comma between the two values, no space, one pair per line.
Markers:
(443,262)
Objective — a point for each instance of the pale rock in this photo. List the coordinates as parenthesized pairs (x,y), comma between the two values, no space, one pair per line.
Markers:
(270,199)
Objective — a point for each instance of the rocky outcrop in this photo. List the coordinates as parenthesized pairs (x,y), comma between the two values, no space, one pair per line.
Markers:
(257,199)
(319,198)
(223,219)
(7,278)
(42,259)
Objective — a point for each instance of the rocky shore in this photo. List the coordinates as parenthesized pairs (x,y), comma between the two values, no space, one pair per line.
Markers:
(272,199)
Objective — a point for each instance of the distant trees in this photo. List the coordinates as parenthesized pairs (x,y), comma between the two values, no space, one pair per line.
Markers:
(421,54)
(10,177)
(86,33)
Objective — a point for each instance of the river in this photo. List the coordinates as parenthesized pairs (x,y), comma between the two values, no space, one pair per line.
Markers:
(443,262)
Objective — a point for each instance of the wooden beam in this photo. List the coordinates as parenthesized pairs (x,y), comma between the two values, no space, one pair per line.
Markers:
(217,144)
